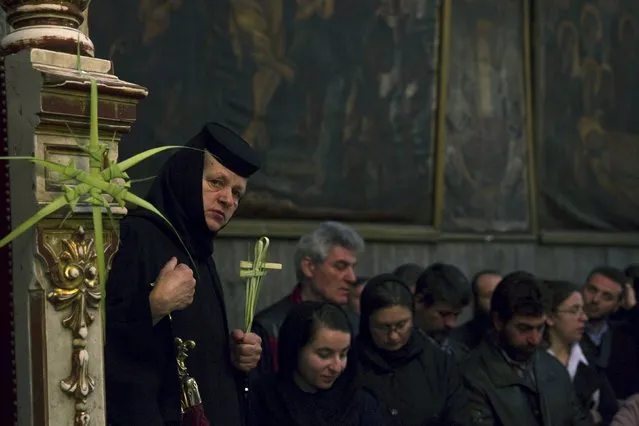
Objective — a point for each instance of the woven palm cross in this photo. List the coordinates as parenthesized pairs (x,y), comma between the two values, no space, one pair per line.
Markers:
(253,271)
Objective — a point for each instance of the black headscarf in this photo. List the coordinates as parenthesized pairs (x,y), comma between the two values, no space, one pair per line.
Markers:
(147,244)
(282,402)
(383,291)
(177,190)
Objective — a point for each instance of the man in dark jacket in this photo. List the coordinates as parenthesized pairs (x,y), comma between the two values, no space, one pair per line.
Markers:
(612,344)
(510,379)
(325,262)
(441,293)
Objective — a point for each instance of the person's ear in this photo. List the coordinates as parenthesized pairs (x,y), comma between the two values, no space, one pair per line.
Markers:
(308,267)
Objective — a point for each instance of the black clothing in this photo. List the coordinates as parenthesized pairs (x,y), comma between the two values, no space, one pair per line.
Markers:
(231,150)
(268,321)
(471,334)
(589,379)
(275,399)
(418,384)
(501,394)
(271,404)
(618,356)
(141,374)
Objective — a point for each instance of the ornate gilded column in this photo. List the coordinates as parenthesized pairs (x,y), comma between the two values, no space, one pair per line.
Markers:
(58,329)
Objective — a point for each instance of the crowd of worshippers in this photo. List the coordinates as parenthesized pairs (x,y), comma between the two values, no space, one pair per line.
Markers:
(537,351)
(347,350)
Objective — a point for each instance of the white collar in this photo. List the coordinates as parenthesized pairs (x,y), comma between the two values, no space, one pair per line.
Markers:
(574,359)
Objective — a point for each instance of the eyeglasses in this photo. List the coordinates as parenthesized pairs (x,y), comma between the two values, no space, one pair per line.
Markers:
(399,327)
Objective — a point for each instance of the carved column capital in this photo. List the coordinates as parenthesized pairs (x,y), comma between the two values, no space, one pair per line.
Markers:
(47,24)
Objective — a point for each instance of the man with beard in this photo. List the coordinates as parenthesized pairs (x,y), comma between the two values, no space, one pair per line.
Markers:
(441,293)
(510,379)
(612,343)
(483,285)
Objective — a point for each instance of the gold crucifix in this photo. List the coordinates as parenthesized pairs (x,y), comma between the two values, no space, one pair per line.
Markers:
(190,393)
(182,348)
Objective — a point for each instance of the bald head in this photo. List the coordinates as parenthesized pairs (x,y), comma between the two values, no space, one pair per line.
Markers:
(484,284)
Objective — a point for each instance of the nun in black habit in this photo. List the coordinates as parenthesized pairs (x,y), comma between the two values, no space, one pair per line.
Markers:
(316,383)
(152,276)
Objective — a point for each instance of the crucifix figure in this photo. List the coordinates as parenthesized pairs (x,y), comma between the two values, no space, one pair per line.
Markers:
(182,349)
(190,392)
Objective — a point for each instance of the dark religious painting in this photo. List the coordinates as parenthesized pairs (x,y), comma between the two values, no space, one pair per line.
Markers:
(338,96)
(588,101)
(486,177)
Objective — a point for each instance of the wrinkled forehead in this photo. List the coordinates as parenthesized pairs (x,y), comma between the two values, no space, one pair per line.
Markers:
(341,254)
(212,165)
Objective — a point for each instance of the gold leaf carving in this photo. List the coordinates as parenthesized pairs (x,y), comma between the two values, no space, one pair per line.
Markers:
(75,280)
(71,263)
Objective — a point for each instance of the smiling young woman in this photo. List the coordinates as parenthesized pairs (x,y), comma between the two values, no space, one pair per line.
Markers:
(316,381)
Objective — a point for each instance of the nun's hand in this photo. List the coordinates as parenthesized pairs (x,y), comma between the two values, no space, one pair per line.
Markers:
(173,290)
(246,350)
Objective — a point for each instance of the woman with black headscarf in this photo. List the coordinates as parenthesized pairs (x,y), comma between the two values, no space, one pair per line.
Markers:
(566,322)
(415,381)
(316,381)
(162,286)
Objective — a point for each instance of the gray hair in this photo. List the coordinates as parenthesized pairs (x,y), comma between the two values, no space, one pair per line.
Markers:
(317,243)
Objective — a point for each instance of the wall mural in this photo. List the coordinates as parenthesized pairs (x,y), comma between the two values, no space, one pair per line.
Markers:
(336,95)
(588,132)
(343,95)
(486,141)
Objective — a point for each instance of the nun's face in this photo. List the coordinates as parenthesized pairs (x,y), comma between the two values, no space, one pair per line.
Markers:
(322,360)
(391,327)
(221,192)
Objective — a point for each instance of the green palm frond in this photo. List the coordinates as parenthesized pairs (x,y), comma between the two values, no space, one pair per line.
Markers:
(104,178)
(253,271)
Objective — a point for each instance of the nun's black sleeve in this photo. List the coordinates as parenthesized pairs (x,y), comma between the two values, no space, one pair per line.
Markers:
(134,352)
